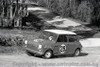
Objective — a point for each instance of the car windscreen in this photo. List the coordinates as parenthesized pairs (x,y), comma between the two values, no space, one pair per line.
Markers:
(48,36)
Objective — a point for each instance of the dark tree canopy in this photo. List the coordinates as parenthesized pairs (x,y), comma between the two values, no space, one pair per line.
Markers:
(84,10)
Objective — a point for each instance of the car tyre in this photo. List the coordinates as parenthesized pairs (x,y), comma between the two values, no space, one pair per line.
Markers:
(48,54)
(77,52)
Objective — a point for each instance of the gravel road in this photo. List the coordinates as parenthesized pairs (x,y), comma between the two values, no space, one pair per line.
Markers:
(90,57)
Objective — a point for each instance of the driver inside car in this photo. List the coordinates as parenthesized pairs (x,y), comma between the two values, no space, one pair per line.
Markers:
(51,38)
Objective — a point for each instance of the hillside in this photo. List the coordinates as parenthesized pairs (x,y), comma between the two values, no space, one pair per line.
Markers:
(87,11)
(52,18)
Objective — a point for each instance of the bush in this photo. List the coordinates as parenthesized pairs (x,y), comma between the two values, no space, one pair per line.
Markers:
(11,41)
(9,44)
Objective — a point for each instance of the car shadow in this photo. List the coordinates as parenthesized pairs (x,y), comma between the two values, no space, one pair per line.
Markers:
(83,54)
(32,54)
(58,56)
(67,56)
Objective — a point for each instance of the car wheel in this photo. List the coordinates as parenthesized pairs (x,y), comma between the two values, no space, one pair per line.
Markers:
(48,54)
(77,52)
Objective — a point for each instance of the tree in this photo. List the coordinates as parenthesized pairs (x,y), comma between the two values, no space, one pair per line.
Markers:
(84,11)
(11,11)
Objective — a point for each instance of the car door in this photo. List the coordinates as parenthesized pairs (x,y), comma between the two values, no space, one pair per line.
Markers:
(61,46)
(72,43)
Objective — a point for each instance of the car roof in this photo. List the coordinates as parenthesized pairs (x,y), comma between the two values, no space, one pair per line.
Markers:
(56,31)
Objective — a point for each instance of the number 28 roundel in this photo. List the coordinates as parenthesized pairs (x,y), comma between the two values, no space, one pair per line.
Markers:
(62,49)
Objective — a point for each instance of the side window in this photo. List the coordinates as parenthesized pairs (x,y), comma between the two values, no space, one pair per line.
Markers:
(72,39)
(62,38)
(65,38)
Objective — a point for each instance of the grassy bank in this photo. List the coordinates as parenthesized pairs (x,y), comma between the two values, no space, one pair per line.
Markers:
(12,40)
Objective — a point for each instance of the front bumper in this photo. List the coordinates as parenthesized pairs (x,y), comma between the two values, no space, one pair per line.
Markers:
(35,51)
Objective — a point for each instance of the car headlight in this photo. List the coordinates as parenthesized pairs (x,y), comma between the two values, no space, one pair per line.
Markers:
(26,42)
(40,46)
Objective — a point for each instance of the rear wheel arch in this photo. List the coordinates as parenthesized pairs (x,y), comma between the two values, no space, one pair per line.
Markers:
(78,48)
(77,52)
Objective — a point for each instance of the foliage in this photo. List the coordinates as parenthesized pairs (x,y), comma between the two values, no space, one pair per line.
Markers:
(84,10)
(11,41)
(11,11)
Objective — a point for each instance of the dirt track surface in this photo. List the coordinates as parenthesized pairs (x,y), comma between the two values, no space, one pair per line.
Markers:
(90,57)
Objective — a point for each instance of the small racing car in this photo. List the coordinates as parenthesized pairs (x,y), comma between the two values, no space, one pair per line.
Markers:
(54,42)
